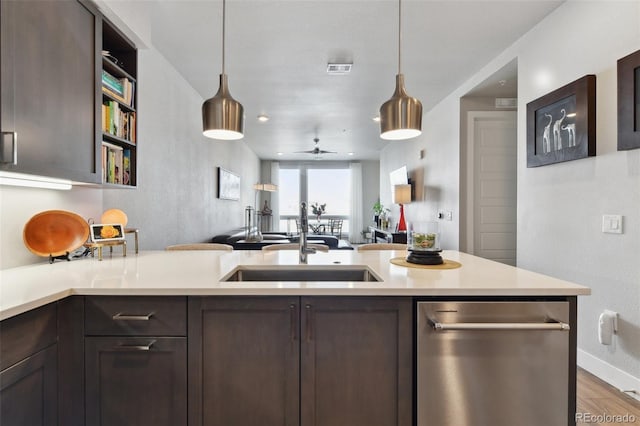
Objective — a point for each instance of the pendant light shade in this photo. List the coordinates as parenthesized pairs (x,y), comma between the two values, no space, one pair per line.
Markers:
(400,116)
(223,116)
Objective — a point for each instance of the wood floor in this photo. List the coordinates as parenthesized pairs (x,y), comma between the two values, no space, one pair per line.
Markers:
(597,399)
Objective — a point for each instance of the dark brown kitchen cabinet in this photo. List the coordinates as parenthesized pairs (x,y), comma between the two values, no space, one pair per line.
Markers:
(136,381)
(312,361)
(243,361)
(135,361)
(49,83)
(356,361)
(28,368)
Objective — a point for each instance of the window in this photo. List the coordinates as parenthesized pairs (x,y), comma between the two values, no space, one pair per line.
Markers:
(289,189)
(330,186)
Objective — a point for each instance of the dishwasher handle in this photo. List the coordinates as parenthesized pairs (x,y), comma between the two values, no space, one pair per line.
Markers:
(555,325)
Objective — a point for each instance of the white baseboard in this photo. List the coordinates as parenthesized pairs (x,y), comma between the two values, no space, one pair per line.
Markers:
(614,376)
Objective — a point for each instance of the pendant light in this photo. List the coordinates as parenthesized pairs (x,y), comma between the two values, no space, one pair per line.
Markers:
(223,116)
(400,116)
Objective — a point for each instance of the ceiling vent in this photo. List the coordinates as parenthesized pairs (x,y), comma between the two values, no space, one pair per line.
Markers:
(506,102)
(336,69)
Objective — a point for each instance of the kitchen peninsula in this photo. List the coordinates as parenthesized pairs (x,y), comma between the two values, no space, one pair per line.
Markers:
(164,340)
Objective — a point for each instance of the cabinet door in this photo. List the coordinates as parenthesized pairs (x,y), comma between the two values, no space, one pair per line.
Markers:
(356,358)
(243,361)
(49,89)
(28,391)
(136,381)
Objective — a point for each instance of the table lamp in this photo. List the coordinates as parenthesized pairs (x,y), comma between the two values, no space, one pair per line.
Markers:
(401,196)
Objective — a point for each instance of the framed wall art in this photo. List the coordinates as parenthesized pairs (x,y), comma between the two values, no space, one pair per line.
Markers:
(629,102)
(561,125)
(228,185)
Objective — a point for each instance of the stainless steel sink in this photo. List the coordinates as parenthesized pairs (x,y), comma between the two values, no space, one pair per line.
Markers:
(302,273)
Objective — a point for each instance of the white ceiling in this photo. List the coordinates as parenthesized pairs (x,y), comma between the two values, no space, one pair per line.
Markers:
(277,53)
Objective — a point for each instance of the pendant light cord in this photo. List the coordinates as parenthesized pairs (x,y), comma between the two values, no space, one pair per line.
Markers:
(223,30)
(399,33)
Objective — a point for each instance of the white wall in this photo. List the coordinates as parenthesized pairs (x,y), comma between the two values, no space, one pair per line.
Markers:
(18,205)
(560,207)
(176,200)
(370,190)
(176,197)
(436,176)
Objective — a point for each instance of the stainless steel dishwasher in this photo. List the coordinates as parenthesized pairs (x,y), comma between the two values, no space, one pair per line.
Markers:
(493,363)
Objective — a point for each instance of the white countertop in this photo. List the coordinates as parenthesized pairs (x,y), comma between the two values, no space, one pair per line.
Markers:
(198,273)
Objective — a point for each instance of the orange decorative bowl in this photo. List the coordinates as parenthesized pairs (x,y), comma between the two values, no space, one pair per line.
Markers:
(55,233)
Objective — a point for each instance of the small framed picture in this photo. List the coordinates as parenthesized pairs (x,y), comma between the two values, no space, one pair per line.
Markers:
(228,185)
(629,102)
(561,125)
(106,232)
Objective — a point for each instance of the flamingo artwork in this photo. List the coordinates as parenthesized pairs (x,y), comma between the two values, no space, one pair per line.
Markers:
(546,136)
(571,130)
(557,135)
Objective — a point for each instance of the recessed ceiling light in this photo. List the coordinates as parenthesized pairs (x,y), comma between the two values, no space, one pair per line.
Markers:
(280,153)
(351,153)
(376,118)
(263,118)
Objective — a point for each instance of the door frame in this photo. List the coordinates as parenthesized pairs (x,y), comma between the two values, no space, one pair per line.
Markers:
(472,118)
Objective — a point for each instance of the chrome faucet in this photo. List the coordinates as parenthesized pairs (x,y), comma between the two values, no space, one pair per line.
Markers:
(304,226)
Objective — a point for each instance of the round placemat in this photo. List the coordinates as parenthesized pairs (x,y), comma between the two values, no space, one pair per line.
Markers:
(448,264)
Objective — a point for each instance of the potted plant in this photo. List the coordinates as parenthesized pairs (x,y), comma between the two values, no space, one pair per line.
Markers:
(318,209)
(378,208)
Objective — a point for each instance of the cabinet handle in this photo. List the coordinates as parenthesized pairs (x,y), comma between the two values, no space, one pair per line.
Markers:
(13,158)
(440,326)
(292,322)
(309,331)
(124,317)
(135,348)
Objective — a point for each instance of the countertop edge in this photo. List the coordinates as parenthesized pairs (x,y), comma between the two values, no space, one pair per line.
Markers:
(454,293)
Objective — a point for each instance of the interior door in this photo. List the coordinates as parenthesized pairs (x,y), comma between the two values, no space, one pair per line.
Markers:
(492,185)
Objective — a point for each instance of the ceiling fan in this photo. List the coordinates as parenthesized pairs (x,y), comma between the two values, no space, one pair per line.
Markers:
(316,150)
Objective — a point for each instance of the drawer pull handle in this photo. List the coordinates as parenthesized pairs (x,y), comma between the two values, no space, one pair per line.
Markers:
(124,317)
(439,326)
(135,348)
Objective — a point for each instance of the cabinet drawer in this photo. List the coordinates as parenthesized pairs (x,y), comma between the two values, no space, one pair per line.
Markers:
(26,334)
(135,316)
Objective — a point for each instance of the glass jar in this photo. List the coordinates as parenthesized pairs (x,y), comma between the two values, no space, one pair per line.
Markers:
(424,236)
(423,243)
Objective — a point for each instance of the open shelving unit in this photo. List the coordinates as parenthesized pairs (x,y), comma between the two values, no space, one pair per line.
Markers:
(119,113)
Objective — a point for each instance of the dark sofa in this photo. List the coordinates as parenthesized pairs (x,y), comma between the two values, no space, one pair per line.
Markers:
(235,235)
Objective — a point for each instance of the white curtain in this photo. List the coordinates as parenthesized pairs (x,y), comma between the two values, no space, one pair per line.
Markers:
(275,198)
(355,217)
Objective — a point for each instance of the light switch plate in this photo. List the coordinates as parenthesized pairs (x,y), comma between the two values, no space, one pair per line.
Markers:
(612,224)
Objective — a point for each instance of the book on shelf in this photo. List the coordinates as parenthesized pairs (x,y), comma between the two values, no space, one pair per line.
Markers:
(121,89)
(113,163)
(119,123)
(126,167)
(112,83)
